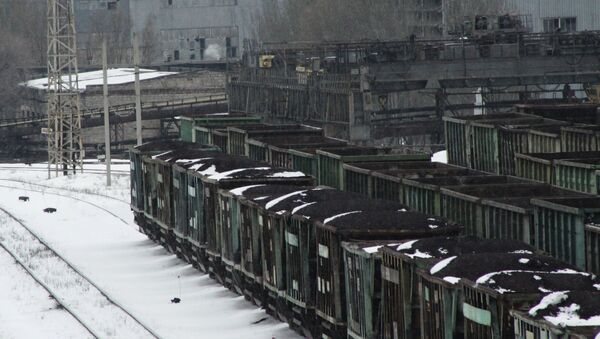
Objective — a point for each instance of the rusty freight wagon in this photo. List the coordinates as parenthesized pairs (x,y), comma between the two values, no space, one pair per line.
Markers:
(355,301)
(331,161)
(158,182)
(464,205)
(300,158)
(568,229)
(471,295)
(400,289)
(238,136)
(228,172)
(140,174)
(243,233)
(278,280)
(362,262)
(564,314)
(261,265)
(186,214)
(301,209)
(357,223)
(423,194)
(259,148)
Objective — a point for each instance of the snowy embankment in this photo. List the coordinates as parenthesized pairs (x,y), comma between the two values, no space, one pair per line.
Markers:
(134,271)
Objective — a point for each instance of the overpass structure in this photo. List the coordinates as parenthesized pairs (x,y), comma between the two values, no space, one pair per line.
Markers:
(19,135)
(368,91)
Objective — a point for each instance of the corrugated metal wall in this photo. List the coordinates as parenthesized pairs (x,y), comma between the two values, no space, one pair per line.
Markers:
(587,12)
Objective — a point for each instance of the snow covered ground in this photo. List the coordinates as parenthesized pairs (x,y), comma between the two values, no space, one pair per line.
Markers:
(93,229)
(115,76)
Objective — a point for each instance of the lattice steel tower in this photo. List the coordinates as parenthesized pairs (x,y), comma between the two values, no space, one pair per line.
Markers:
(65,146)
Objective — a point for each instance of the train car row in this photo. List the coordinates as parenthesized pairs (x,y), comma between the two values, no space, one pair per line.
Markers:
(332,263)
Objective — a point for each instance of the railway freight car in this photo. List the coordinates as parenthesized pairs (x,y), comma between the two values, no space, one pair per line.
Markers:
(563,314)
(568,229)
(227,172)
(331,161)
(400,290)
(141,194)
(238,136)
(259,147)
(384,180)
(471,295)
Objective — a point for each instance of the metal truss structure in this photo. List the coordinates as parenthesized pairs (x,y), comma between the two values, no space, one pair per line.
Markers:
(65,144)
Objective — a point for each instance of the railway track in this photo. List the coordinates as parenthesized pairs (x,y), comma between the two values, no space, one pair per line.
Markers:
(36,169)
(67,196)
(93,307)
(65,190)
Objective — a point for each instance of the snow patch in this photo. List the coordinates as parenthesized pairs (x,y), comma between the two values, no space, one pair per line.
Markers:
(330,219)
(297,208)
(115,76)
(372,249)
(418,254)
(241,190)
(452,280)
(551,299)
(407,245)
(441,156)
(287,174)
(441,265)
(282,198)
(524,260)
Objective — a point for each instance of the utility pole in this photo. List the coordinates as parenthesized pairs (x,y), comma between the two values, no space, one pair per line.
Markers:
(65,145)
(138,96)
(106,113)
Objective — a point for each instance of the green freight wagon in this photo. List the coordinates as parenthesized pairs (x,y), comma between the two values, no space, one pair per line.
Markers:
(542,166)
(578,174)
(301,209)
(262,267)
(573,112)
(464,204)
(331,161)
(531,321)
(229,172)
(383,180)
(580,139)
(220,138)
(259,147)
(247,235)
(459,135)
(335,225)
(400,313)
(194,128)
(143,177)
(544,139)
(470,295)
(567,229)
(238,136)
(423,194)
(495,143)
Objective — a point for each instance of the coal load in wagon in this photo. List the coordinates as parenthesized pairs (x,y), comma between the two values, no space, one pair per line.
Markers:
(485,312)
(357,224)
(400,287)
(228,172)
(423,194)
(139,173)
(253,247)
(573,314)
(302,209)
